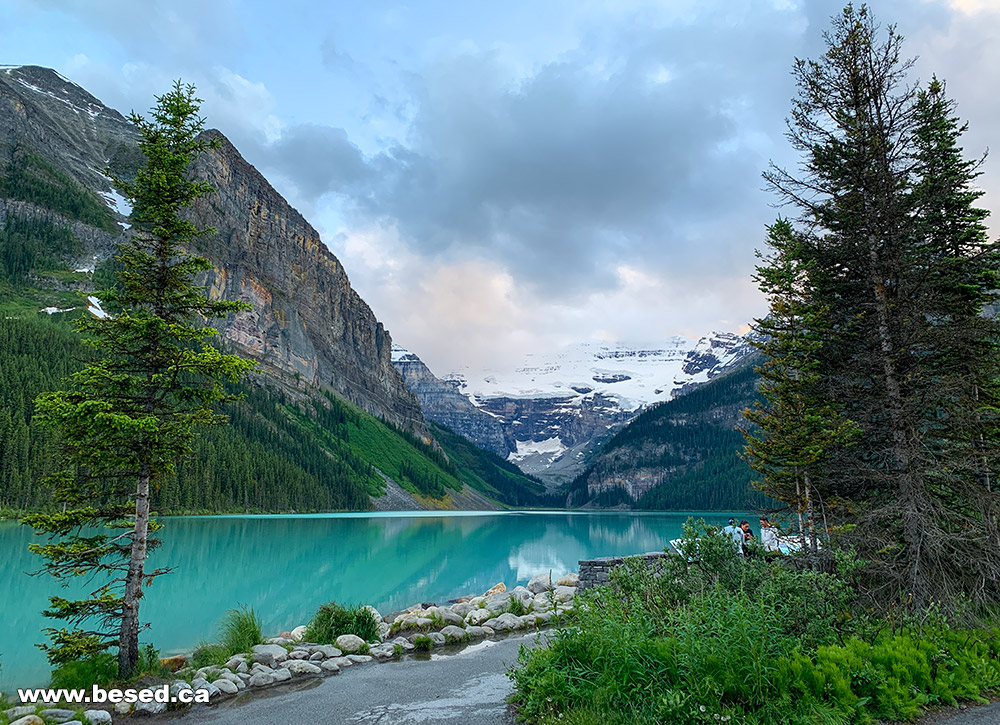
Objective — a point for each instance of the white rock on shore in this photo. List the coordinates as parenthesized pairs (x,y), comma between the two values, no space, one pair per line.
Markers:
(272,652)
(350,643)
(540,583)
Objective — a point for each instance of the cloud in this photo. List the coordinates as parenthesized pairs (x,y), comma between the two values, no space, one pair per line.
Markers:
(318,159)
(468,311)
(186,32)
(624,149)
(517,177)
(612,191)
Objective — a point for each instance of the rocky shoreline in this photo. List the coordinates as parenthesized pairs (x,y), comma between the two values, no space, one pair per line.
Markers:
(426,626)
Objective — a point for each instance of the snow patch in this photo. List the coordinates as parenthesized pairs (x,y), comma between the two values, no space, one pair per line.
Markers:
(117,202)
(91,110)
(550,447)
(401,353)
(631,375)
(54,310)
(95,308)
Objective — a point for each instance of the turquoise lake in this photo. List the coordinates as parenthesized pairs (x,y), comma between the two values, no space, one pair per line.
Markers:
(286,566)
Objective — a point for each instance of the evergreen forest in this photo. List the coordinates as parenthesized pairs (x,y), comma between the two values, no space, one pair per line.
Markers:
(279,453)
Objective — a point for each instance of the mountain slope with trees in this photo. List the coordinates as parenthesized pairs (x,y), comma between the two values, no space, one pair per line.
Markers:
(684,454)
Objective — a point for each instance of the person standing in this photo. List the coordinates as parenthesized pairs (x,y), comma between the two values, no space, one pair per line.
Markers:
(768,535)
(735,534)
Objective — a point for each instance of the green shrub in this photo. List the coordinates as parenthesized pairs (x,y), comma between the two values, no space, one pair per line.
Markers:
(332,620)
(210,654)
(149,663)
(711,636)
(240,630)
(84,674)
(423,642)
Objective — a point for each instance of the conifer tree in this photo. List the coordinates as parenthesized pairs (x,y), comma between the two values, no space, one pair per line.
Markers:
(796,425)
(129,416)
(894,273)
(958,350)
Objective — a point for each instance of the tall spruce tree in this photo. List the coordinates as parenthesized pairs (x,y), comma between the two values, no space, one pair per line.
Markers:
(959,351)
(129,416)
(898,271)
(795,424)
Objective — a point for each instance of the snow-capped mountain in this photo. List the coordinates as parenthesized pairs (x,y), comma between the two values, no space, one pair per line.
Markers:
(555,409)
(631,375)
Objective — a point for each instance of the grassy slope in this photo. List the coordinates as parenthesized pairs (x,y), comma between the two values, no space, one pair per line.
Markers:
(487,472)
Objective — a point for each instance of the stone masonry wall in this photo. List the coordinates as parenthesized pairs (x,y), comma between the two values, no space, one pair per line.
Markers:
(594,572)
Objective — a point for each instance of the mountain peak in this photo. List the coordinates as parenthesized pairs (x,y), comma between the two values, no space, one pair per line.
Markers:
(549,413)
(54,85)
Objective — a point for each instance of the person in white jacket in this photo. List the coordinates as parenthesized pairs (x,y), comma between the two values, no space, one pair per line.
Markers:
(768,535)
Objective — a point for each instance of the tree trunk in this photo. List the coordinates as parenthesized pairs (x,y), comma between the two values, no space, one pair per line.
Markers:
(128,639)
(811,524)
(910,498)
(798,509)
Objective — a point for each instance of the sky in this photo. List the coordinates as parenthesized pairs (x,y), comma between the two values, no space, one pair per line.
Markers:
(508,178)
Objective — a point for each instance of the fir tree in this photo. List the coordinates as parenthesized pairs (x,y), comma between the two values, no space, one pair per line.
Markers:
(128,417)
(894,272)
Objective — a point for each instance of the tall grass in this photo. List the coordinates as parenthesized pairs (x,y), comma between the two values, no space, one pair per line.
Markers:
(332,620)
(240,630)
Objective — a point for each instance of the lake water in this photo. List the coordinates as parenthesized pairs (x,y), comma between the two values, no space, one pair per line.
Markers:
(286,566)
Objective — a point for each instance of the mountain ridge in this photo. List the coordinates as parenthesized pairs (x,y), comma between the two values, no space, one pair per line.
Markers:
(265,252)
(551,414)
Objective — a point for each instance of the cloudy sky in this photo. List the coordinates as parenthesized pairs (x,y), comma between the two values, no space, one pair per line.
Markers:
(506,177)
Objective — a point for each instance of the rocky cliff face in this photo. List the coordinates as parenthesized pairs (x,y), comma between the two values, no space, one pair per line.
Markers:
(307,326)
(442,402)
(306,320)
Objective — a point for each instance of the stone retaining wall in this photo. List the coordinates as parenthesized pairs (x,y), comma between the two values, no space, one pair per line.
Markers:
(594,572)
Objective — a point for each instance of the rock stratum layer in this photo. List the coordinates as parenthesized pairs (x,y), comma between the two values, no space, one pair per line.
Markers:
(306,321)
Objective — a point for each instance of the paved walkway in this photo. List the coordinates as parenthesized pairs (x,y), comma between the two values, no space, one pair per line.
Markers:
(985,715)
(470,687)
